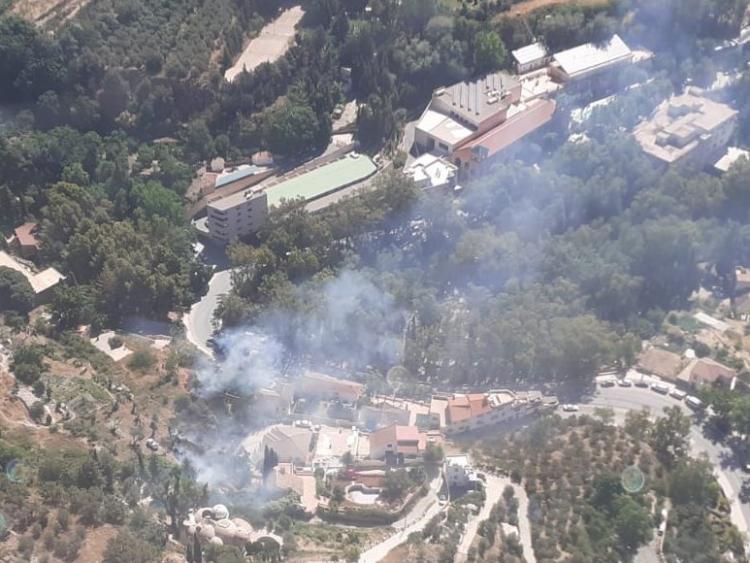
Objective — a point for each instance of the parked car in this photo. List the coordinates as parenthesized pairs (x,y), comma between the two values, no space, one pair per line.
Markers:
(624,383)
(570,408)
(693,402)
(661,388)
(152,445)
(677,394)
(607,383)
(641,383)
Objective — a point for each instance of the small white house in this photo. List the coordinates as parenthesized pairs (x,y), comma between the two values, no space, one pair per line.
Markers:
(459,471)
(531,57)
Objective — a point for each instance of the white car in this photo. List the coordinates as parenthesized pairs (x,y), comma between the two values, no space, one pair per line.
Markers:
(607,383)
(624,383)
(661,388)
(570,408)
(677,394)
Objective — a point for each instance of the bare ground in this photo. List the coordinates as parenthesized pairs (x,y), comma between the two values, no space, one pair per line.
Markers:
(531,5)
(42,12)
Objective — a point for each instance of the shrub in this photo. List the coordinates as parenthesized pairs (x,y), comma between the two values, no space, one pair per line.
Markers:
(116,342)
(142,360)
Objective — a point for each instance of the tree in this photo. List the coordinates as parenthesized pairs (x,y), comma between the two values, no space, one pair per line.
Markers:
(114,95)
(16,293)
(28,364)
(669,437)
(632,523)
(292,128)
(489,52)
(433,454)
(395,485)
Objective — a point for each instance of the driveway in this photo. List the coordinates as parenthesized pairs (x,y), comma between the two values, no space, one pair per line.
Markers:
(424,510)
(493,489)
(730,477)
(199,321)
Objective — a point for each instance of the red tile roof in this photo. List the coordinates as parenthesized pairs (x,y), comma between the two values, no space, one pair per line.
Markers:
(464,407)
(511,130)
(407,439)
(707,371)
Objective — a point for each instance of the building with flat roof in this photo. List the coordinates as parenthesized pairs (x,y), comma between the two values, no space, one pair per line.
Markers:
(590,59)
(531,57)
(432,171)
(41,282)
(245,212)
(687,129)
(459,472)
(471,121)
(729,159)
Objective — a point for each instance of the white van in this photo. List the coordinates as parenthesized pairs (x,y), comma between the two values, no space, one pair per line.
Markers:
(661,388)
(694,402)
(677,394)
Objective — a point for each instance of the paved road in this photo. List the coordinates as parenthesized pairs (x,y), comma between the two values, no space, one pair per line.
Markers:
(199,322)
(425,509)
(728,473)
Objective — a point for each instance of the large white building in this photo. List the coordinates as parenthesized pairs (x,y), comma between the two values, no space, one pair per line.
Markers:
(590,59)
(687,129)
(245,212)
(468,122)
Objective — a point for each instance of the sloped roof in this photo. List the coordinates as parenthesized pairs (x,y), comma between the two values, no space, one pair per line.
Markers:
(662,363)
(706,371)
(525,119)
(408,439)
(26,234)
(464,407)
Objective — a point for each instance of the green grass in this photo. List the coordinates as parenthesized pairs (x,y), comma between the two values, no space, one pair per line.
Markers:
(323,180)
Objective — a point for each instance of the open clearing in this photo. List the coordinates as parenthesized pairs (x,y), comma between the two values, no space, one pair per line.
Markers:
(272,43)
(42,12)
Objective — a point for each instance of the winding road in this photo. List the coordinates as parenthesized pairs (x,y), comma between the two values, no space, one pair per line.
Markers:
(199,321)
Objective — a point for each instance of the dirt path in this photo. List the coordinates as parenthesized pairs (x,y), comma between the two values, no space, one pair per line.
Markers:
(272,43)
(493,490)
(531,5)
(43,11)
